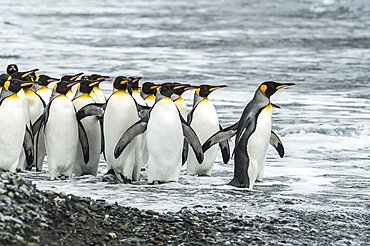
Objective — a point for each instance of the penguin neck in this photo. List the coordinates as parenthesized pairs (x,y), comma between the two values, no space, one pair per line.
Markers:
(197,99)
(260,98)
(55,94)
(37,87)
(159,97)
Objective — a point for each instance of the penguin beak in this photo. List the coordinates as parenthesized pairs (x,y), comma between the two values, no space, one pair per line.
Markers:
(75,76)
(51,80)
(284,85)
(28,73)
(72,84)
(123,82)
(178,87)
(154,87)
(190,88)
(27,84)
(103,78)
(217,87)
(94,83)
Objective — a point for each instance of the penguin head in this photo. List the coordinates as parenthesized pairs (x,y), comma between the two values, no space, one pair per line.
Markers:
(121,83)
(11,68)
(179,91)
(167,89)
(63,87)
(69,78)
(205,90)
(86,84)
(44,80)
(15,85)
(268,88)
(98,77)
(26,76)
(146,88)
(134,83)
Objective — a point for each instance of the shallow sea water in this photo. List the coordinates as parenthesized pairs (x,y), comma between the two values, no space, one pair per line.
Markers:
(322,46)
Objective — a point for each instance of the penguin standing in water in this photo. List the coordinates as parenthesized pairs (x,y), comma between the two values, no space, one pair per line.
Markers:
(120,113)
(13,123)
(91,124)
(97,94)
(148,93)
(165,130)
(204,120)
(253,134)
(61,131)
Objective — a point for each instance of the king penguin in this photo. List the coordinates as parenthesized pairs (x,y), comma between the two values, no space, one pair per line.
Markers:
(203,119)
(165,133)
(91,125)
(41,86)
(97,94)
(13,122)
(147,93)
(253,134)
(179,100)
(61,131)
(120,113)
(133,89)
(11,68)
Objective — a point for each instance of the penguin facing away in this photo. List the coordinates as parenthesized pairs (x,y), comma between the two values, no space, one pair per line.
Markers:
(11,68)
(91,125)
(165,130)
(15,138)
(203,119)
(120,113)
(253,134)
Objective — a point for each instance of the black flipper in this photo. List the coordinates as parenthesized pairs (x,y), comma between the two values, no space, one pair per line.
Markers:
(185,151)
(28,147)
(220,136)
(225,149)
(37,125)
(192,138)
(136,129)
(92,109)
(84,142)
(276,142)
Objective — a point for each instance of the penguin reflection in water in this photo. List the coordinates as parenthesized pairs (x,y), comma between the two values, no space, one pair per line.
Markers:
(253,134)
(165,130)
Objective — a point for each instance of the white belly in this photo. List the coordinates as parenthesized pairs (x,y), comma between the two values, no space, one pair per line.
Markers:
(164,142)
(120,114)
(257,145)
(12,128)
(205,124)
(61,137)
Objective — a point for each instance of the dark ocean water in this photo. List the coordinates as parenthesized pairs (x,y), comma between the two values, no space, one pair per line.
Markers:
(322,46)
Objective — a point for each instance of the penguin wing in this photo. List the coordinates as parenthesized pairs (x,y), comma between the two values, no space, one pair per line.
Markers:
(28,146)
(190,114)
(91,109)
(276,142)
(220,136)
(82,136)
(136,129)
(225,149)
(192,138)
(142,110)
(185,151)
(37,125)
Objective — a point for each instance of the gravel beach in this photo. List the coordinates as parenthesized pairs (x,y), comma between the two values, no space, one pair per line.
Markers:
(29,216)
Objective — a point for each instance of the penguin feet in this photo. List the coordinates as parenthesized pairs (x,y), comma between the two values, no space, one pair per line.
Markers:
(125,180)
(111,177)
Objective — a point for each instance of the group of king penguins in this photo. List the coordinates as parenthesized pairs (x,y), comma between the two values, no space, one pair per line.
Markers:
(135,127)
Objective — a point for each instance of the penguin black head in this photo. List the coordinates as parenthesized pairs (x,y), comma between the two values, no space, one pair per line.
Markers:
(63,87)
(25,75)
(205,90)
(44,80)
(134,82)
(268,88)
(121,83)
(98,77)
(70,77)
(86,85)
(167,89)
(146,88)
(15,85)
(179,91)
(11,68)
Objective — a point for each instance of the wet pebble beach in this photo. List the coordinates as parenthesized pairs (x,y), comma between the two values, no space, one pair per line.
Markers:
(29,216)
